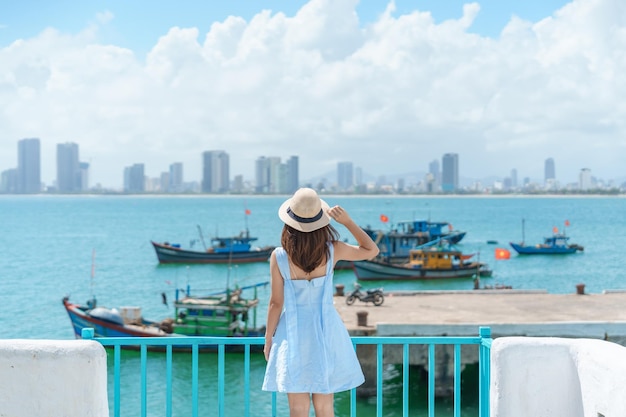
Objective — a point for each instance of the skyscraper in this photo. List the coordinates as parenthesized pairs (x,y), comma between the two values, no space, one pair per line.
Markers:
(29,166)
(549,170)
(345,176)
(450,172)
(175,178)
(293,177)
(8,181)
(262,175)
(585,181)
(433,169)
(134,179)
(273,176)
(358,176)
(215,172)
(513,178)
(277,175)
(68,168)
(84,175)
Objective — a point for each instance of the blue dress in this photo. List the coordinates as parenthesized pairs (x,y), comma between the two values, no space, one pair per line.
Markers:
(311,348)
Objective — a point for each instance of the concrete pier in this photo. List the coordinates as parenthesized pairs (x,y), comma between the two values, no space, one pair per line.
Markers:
(534,313)
(507,312)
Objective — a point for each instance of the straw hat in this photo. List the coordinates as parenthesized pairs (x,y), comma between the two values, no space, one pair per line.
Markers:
(305,211)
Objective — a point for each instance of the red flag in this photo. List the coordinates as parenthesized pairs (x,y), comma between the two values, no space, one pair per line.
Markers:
(384,218)
(566,222)
(555,230)
(248,212)
(502,253)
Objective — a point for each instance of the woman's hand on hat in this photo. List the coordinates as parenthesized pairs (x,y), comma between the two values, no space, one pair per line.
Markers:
(339,214)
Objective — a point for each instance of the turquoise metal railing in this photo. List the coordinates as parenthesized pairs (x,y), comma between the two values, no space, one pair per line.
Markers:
(196,344)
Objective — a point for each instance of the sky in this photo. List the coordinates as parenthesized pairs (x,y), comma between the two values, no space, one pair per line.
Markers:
(387,85)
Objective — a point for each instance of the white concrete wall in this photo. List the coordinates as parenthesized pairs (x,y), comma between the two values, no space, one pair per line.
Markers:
(53,378)
(557,377)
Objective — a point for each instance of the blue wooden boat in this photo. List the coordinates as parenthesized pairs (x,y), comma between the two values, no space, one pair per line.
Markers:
(224,314)
(235,249)
(552,245)
(396,244)
(557,244)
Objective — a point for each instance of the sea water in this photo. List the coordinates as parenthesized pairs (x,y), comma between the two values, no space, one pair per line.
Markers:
(84,246)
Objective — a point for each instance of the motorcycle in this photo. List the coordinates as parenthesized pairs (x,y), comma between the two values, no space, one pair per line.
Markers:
(374,295)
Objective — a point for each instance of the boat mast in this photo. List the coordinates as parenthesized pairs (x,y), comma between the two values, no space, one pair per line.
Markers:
(93,272)
(246,212)
(523,230)
(201,237)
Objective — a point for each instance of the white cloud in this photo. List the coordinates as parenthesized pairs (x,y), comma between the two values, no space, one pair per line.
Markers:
(390,96)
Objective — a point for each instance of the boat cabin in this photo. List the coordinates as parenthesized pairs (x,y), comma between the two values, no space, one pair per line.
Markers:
(239,243)
(433,229)
(436,259)
(214,316)
(555,241)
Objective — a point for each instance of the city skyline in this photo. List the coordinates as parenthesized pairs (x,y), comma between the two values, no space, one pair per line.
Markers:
(387,85)
(272,175)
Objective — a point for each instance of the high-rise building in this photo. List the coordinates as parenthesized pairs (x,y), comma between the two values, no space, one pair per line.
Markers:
(513,178)
(29,166)
(8,181)
(84,175)
(175,178)
(450,172)
(585,181)
(164,182)
(358,176)
(433,169)
(68,168)
(549,170)
(277,175)
(293,175)
(215,172)
(345,176)
(134,179)
(237,183)
(273,176)
(262,175)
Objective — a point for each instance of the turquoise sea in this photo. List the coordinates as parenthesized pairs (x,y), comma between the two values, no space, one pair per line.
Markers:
(48,242)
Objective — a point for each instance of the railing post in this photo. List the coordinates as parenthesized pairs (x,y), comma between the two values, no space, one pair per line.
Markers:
(484,342)
(484,359)
(87,333)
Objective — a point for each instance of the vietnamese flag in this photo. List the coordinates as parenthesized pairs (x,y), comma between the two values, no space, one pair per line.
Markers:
(384,218)
(502,253)
(248,212)
(566,222)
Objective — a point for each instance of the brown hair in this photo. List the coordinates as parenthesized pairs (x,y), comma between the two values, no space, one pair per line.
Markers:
(308,250)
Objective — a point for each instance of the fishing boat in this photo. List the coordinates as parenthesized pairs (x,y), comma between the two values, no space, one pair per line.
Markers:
(557,244)
(235,249)
(435,262)
(396,244)
(225,314)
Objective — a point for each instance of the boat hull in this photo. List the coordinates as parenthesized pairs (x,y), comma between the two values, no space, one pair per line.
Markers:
(374,270)
(167,254)
(80,320)
(539,250)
